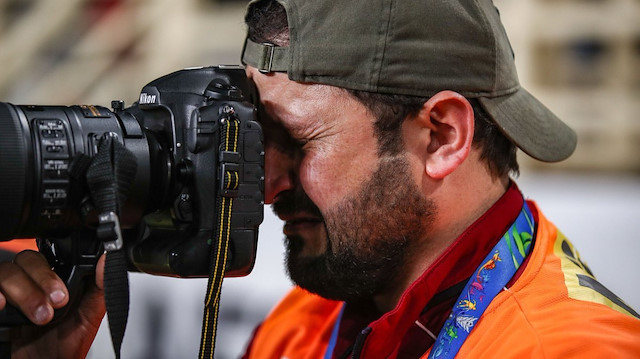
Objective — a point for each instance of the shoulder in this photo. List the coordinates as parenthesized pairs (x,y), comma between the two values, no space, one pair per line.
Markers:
(556,309)
(300,323)
(304,305)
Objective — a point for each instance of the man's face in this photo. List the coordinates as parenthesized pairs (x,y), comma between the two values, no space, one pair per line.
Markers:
(351,216)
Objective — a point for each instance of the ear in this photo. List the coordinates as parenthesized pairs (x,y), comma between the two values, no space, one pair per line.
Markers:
(445,125)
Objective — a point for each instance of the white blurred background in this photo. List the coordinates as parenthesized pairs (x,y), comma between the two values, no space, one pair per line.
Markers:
(580,57)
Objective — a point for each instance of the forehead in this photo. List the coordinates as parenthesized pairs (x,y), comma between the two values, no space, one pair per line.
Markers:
(299,105)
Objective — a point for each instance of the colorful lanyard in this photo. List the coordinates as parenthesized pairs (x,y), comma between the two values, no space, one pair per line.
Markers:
(496,271)
(490,278)
(334,335)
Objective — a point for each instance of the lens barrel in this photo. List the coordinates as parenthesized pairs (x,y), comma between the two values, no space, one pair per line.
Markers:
(44,155)
(15,158)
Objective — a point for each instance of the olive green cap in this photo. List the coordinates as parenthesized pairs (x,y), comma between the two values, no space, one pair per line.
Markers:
(415,48)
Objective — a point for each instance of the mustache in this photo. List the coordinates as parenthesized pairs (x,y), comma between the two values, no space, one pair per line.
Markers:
(295,201)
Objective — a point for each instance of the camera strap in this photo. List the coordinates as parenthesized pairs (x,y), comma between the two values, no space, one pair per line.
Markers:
(109,175)
(220,244)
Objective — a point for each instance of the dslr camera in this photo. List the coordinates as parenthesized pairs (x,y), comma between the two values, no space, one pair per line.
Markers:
(168,211)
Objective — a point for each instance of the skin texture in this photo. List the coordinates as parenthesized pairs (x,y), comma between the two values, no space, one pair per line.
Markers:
(328,184)
(362,251)
(350,215)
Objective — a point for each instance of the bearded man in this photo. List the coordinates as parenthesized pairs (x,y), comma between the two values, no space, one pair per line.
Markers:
(392,130)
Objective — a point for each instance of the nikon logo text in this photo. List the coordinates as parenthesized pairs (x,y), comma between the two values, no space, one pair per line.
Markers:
(145,98)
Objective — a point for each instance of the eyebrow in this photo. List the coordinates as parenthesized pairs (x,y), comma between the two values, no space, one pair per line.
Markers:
(292,129)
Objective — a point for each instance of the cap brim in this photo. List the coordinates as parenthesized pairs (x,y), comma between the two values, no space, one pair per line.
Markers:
(531,126)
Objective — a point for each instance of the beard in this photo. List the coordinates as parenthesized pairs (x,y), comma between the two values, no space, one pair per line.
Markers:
(370,235)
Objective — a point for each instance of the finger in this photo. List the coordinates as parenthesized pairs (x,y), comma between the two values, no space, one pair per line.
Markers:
(100,272)
(22,292)
(92,307)
(36,266)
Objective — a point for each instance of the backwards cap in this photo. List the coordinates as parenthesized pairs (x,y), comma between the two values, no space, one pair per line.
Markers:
(415,48)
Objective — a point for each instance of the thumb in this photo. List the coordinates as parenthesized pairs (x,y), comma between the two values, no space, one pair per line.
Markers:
(92,307)
(77,332)
(100,272)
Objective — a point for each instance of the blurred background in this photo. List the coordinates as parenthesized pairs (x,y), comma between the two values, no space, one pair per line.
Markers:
(580,57)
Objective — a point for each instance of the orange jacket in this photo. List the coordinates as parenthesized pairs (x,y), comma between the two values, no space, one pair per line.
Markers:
(555,309)
(18,245)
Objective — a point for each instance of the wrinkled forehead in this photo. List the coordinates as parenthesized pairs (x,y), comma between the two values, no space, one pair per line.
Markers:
(294,102)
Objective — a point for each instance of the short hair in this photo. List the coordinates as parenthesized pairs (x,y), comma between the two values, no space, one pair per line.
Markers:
(267,22)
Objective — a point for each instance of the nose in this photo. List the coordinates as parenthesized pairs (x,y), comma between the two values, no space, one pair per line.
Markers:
(279,173)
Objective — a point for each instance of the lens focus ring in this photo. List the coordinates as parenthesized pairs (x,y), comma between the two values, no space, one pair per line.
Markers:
(14,151)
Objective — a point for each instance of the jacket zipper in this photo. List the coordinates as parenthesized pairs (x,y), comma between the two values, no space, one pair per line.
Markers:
(359,344)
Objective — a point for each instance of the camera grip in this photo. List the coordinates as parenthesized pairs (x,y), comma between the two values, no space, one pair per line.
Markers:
(76,279)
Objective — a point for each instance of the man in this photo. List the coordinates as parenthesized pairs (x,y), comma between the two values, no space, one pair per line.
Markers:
(395,190)
(391,130)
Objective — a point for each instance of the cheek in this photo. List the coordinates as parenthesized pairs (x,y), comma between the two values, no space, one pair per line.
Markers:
(334,167)
(319,181)
(329,180)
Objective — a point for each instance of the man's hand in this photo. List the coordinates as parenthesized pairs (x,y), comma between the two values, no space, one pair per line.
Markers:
(29,284)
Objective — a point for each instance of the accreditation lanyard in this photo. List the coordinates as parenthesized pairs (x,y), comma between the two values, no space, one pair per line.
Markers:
(488,280)
(334,335)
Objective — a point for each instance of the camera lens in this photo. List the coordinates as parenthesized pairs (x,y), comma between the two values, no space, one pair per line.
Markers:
(15,149)
(44,155)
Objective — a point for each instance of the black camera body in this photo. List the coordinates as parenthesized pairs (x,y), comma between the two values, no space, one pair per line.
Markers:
(168,219)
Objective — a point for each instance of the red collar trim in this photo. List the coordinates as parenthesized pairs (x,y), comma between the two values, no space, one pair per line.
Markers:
(454,265)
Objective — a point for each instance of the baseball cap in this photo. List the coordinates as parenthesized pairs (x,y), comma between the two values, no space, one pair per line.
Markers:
(415,48)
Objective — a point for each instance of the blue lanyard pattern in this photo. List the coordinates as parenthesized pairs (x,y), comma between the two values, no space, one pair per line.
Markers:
(334,335)
(496,271)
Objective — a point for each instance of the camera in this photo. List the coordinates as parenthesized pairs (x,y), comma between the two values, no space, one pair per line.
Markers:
(169,208)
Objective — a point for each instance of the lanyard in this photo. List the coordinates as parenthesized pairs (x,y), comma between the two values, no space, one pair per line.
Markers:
(334,335)
(488,280)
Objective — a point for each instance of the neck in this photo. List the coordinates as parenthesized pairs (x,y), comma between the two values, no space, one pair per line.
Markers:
(459,203)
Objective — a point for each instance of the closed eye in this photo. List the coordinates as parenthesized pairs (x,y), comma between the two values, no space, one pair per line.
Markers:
(279,137)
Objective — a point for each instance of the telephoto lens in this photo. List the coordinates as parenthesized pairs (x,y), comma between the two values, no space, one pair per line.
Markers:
(40,147)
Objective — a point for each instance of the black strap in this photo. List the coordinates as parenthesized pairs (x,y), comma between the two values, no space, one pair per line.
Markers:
(220,245)
(265,57)
(116,296)
(111,172)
